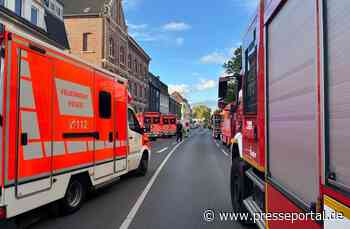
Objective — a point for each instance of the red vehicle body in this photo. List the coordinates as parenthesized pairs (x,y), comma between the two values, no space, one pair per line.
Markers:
(64,123)
(291,154)
(168,125)
(152,122)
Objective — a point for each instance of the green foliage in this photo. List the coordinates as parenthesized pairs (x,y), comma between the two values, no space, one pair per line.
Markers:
(202,112)
(234,65)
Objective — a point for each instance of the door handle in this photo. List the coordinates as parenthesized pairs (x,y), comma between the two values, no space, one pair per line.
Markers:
(110,137)
(131,138)
(24,139)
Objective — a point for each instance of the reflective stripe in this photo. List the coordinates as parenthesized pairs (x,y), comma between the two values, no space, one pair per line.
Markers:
(30,124)
(99,145)
(76,147)
(91,146)
(32,151)
(117,143)
(25,70)
(24,53)
(27,97)
(58,148)
(109,145)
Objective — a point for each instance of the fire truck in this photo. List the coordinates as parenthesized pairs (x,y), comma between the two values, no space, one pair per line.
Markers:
(151,121)
(291,155)
(229,88)
(66,126)
(168,125)
(216,124)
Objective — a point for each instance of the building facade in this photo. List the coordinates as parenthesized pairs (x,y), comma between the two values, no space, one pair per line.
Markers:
(98,33)
(174,107)
(43,19)
(164,98)
(186,111)
(154,93)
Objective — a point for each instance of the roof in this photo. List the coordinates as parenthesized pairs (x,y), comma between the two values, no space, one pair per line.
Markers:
(56,29)
(83,7)
(56,36)
(138,47)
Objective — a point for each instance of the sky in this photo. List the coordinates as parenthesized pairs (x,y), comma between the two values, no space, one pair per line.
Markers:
(189,40)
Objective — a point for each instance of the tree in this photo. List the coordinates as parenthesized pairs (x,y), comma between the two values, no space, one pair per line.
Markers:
(202,112)
(234,65)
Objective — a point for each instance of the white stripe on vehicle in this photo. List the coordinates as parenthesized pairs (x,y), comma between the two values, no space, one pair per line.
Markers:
(25,70)
(27,97)
(76,147)
(30,124)
(32,151)
(99,145)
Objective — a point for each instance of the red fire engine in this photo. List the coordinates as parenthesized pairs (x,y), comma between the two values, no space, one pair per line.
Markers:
(151,121)
(291,155)
(168,125)
(65,126)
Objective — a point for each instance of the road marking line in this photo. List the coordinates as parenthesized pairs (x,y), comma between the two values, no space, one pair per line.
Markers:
(226,154)
(128,220)
(162,150)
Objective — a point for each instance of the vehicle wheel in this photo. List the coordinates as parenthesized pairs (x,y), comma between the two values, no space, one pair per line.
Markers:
(74,198)
(239,187)
(143,166)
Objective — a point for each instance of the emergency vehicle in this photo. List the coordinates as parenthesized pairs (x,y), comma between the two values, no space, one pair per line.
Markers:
(151,121)
(291,155)
(168,125)
(65,126)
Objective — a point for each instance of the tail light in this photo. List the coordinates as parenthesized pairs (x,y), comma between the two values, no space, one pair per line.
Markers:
(2,213)
(145,140)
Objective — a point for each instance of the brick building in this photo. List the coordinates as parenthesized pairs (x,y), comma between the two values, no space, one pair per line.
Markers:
(98,33)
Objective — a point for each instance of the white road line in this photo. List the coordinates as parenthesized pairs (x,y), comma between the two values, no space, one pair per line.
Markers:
(226,154)
(162,150)
(126,223)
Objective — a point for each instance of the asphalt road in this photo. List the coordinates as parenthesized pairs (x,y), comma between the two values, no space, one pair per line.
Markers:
(193,178)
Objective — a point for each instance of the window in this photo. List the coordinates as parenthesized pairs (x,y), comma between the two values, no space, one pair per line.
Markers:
(18,7)
(52,6)
(133,122)
(148,120)
(166,121)
(58,11)
(85,41)
(122,54)
(105,105)
(47,3)
(129,61)
(111,47)
(34,15)
(251,82)
(156,120)
(135,66)
(2,2)
(135,90)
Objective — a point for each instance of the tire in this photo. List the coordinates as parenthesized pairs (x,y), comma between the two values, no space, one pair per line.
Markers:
(74,197)
(240,187)
(143,166)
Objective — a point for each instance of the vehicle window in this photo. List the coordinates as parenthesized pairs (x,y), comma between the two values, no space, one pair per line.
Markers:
(132,120)
(148,120)
(251,82)
(166,121)
(105,105)
(173,121)
(156,120)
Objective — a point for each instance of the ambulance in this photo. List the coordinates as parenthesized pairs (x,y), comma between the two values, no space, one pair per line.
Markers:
(168,125)
(65,126)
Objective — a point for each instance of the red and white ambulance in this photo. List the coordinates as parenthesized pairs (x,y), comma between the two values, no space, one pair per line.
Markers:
(151,121)
(168,125)
(65,126)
